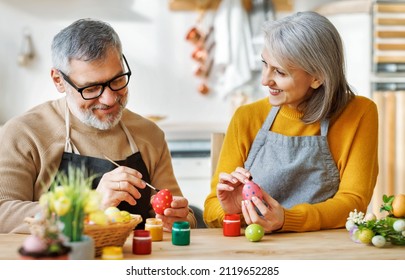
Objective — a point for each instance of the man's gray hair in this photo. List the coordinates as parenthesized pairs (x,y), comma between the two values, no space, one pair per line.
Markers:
(86,40)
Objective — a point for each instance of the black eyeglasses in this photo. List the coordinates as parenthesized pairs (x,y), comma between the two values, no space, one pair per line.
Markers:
(94,91)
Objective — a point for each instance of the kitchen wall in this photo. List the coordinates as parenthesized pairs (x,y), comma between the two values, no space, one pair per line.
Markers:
(154,43)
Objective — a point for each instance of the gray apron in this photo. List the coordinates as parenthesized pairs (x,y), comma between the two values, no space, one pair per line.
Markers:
(293,169)
(99,166)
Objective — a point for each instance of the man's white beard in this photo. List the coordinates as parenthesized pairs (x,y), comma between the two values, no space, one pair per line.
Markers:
(87,116)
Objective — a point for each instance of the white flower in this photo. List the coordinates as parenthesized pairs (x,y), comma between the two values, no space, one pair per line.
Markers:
(356,217)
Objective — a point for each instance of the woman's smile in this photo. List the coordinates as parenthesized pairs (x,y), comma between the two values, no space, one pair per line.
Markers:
(275,91)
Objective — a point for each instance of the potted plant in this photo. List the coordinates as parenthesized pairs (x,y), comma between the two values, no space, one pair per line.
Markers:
(71,198)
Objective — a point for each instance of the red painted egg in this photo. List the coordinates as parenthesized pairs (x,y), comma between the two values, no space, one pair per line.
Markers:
(162,200)
(251,189)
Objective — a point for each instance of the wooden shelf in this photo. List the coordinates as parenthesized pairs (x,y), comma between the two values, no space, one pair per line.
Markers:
(389,59)
(390,21)
(390,7)
(283,5)
(344,7)
(195,5)
(389,47)
(389,34)
(192,5)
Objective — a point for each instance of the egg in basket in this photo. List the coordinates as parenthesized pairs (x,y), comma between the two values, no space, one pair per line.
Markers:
(110,227)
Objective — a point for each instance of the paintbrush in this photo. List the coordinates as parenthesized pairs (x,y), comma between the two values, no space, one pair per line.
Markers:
(116,164)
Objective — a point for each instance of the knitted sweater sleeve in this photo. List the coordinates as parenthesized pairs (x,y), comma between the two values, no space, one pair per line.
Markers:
(17,179)
(239,136)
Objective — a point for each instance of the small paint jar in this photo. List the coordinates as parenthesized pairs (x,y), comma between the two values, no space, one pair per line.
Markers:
(181,233)
(231,225)
(155,227)
(141,242)
(112,253)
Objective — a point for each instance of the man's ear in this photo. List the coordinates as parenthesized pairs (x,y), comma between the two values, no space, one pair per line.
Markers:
(316,83)
(57,80)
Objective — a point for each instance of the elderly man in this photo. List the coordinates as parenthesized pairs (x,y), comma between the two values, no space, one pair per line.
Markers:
(87,125)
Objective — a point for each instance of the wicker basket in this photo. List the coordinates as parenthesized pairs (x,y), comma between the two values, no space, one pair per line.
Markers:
(114,234)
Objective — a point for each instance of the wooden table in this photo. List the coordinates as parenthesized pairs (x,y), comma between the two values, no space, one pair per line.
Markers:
(210,244)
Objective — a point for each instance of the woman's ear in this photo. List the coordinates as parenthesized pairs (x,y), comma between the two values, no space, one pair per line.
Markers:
(316,83)
(57,80)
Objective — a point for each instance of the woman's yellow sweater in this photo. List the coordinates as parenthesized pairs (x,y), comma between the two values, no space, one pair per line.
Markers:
(353,142)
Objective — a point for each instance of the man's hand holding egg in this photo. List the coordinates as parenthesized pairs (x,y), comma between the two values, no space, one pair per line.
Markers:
(170,208)
(161,201)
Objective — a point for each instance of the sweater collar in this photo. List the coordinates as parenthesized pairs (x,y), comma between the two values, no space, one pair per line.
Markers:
(290,113)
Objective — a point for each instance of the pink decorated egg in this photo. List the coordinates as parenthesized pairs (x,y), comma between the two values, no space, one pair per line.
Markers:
(34,244)
(162,200)
(251,189)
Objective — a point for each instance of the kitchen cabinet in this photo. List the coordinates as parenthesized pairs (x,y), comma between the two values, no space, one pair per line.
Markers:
(388,85)
(192,168)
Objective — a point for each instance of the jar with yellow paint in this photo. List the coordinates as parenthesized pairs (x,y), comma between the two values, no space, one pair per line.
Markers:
(155,226)
(112,253)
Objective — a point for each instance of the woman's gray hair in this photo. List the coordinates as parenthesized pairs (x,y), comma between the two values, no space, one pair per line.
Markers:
(86,40)
(309,41)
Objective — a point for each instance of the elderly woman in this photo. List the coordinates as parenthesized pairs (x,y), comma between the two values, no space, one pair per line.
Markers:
(311,144)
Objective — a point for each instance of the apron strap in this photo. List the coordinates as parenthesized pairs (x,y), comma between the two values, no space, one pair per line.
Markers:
(324,127)
(131,140)
(270,118)
(69,146)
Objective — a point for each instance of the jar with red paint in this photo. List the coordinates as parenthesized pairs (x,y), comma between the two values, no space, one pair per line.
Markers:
(231,225)
(142,242)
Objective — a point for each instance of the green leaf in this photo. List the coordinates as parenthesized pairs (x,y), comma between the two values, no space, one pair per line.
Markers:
(388,199)
(387,203)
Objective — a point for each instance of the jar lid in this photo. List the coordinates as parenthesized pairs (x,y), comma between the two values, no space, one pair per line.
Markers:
(181,225)
(112,251)
(232,217)
(141,233)
(154,221)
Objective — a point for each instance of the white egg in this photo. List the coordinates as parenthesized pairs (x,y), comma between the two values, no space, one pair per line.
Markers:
(111,210)
(378,241)
(349,225)
(399,225)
